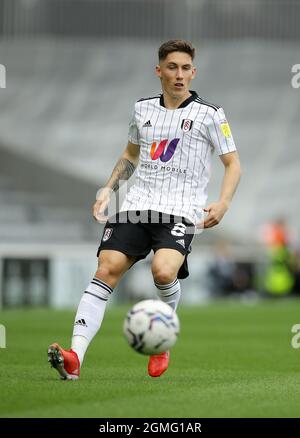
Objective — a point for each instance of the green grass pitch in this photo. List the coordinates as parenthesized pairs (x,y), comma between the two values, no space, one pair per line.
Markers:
(231,360)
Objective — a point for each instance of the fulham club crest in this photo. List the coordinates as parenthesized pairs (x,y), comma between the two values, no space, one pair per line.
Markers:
(107,234)
(186,125)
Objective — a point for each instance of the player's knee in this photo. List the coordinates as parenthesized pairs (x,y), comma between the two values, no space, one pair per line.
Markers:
(163,274)
(109,273)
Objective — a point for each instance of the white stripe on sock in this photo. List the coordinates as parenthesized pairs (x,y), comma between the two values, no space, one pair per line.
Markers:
(169,293)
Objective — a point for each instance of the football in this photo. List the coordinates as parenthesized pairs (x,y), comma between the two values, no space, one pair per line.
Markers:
(151,327)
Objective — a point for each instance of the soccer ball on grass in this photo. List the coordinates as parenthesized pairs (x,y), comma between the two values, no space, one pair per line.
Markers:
(151,327)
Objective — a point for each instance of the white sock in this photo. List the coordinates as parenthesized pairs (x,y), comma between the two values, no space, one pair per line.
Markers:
(89,316)
(169,293)
(80,345)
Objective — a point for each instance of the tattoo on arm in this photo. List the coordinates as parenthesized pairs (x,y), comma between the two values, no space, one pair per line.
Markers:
(122,171)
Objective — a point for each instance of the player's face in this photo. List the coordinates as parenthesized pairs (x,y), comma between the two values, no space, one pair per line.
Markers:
(176,73)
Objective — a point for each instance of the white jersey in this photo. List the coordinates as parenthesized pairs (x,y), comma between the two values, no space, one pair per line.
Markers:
(176,146)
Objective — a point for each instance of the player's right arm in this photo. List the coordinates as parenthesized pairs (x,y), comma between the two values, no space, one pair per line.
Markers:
(125,166)
(123,170)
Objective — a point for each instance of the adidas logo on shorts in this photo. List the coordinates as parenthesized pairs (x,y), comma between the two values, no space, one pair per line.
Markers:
(181,242)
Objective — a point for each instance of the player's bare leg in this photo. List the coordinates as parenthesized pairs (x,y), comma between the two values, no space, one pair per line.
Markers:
(165,265)
(111,267)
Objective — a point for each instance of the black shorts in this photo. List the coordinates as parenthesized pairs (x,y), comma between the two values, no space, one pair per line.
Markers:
(135,234)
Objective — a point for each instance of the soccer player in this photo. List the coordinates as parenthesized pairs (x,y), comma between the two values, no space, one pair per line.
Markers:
(171,139)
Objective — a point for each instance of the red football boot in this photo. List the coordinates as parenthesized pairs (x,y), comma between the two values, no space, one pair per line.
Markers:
(65,361)
(158,364)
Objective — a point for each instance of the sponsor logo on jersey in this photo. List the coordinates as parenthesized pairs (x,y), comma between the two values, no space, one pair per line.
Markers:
(225,128)
(160,152)
(186,125)
(107,234)
(147,124)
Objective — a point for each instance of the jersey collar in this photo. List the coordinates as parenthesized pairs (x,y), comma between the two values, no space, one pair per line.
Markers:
(184,103)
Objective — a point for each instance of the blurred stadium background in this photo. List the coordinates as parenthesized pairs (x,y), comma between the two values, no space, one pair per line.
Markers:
(74,69)
(73,72)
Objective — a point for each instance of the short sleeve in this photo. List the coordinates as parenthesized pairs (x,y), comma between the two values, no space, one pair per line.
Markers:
(220,133)
(133,132)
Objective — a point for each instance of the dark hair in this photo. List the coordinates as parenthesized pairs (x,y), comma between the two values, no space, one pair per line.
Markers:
(175,46)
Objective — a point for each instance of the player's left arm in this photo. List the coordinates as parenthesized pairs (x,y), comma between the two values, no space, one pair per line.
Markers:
(232,175)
